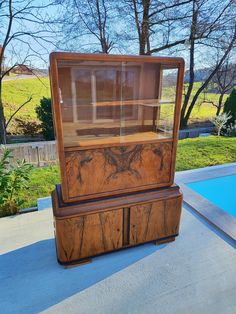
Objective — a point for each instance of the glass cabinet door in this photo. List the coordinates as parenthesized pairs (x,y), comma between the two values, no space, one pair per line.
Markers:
(166,109)
(110,103)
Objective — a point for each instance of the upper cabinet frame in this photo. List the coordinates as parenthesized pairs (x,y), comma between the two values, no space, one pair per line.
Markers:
(102,102)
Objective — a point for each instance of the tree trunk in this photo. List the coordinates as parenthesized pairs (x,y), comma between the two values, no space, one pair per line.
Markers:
(3,138)
(183,120)
(102,29)
(185,116)
(204,85)
(220,104)
(144,36)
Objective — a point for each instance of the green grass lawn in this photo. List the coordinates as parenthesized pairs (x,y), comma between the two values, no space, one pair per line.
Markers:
(205,151)
(16,92)
(192,153)
(42,182)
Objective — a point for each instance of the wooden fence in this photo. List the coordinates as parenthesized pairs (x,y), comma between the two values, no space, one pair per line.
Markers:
(36,153)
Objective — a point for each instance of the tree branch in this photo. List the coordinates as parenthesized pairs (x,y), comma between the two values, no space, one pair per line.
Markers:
(21,106)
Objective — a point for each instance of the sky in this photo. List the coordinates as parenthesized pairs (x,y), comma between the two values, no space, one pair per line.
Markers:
(17,50)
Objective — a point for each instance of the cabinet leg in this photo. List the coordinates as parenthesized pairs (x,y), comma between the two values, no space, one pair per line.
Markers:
(79,263)
(162,241)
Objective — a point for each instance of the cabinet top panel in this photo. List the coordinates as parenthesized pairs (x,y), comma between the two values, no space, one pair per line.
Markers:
(71,57)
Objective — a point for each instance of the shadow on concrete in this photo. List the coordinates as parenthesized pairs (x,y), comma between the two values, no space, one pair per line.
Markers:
(31,280)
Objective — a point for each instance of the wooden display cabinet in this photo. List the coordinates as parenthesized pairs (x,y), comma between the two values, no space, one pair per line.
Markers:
(116,121)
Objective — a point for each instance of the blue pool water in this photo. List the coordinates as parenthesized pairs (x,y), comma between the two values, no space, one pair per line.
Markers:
(220,191)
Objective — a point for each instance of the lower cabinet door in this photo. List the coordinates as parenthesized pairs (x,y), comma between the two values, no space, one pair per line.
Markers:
(88,235)
(155,220)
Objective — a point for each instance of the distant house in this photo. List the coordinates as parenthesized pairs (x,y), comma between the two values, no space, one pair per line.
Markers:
(22,69)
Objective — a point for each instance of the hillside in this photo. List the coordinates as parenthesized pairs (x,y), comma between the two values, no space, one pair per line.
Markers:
(16,92)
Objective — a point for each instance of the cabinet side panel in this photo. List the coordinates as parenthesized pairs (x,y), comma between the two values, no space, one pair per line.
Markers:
(119,168)
(88,235)
(173,208)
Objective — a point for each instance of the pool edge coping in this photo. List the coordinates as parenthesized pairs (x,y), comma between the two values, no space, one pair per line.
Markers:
(206,209)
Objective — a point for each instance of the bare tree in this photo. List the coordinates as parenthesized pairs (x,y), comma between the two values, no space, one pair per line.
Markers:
(212,27)
(141,13)
(86,25)
(224,81)
(25,34)
(203,25)
(156,23)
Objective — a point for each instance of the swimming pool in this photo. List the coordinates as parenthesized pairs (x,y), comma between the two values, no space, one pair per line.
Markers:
(221,191)
(211,192)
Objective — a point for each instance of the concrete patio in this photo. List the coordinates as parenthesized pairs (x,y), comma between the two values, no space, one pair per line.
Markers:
(194,274)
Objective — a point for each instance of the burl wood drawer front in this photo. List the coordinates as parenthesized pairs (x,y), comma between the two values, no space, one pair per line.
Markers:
(153,221)
(89,235)
(120,168)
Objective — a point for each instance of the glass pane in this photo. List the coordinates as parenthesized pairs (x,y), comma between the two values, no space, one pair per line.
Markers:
(115,102)
(168,100)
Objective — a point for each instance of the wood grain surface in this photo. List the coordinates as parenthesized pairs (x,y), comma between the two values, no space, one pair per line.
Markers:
(88,235)
(154,220)
(84,234)
(121,168)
